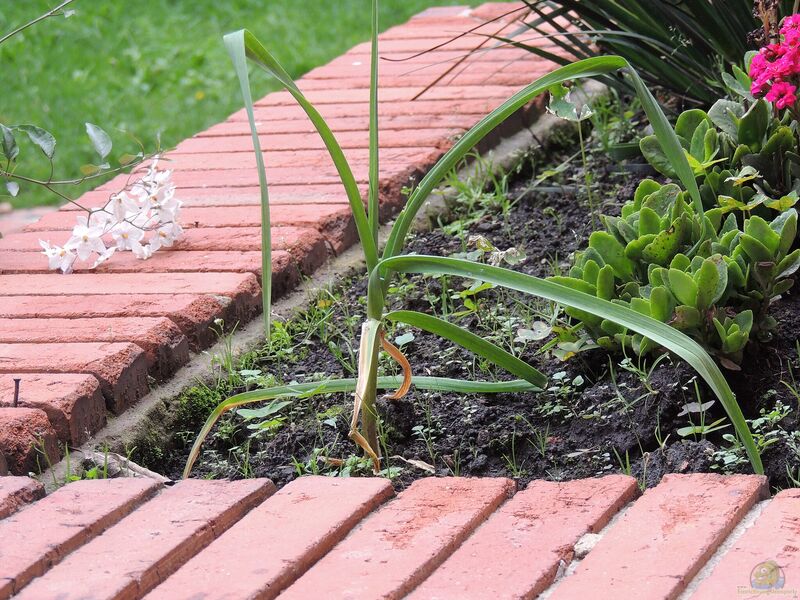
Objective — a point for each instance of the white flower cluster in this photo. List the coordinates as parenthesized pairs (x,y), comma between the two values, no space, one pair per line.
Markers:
(141,218)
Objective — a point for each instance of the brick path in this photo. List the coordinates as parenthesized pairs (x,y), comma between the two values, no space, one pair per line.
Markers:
(440,538)
(87,345)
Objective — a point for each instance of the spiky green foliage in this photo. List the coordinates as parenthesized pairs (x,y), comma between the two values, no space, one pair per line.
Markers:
(681,46)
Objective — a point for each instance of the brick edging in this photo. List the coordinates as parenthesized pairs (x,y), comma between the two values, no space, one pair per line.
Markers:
(323,537)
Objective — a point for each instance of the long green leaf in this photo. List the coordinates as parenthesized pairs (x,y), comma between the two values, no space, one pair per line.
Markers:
(661,333)
(235,44)
(471,342)
(590,67)
(374,171)
(256,52)
(317,388)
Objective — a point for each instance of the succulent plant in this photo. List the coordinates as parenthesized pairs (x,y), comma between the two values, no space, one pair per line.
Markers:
(745,157)
(765,251)
(704,275)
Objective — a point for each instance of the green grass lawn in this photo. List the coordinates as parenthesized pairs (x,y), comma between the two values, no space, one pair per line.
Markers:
(155,66)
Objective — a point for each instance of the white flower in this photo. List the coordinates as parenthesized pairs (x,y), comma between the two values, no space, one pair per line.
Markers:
(123,205)
(142,252)
(149,205)
(168,210)
(154,194)
(104,257)
(58,257)
(156,176)
(165,235)
(126,236)
(86,240)
(96,217)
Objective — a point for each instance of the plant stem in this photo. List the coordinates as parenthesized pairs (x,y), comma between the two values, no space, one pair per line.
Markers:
(46,15)
(48,186)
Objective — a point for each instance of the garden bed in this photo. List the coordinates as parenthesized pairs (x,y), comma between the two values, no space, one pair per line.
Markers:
(600,414)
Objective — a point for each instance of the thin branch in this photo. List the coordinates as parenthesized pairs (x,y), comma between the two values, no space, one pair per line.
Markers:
(114,171)
(460,35)
(44,184)
(463,58)
(47,15)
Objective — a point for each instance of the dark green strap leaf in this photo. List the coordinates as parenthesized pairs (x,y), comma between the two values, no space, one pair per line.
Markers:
(471,342)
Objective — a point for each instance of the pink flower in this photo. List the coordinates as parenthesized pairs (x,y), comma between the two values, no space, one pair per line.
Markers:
(782,94)
(792,22)
(758,65)
(775,69)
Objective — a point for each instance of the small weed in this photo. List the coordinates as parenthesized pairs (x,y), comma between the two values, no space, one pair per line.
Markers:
(559,394)
(699,408)
(624,465)
(541,439)
(767,431)
(517,469)
(483,192)
(427,433)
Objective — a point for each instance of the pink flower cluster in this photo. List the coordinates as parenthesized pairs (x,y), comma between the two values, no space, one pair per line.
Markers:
(775,70)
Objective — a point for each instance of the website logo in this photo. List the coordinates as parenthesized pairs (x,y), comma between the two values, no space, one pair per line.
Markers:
(767,579)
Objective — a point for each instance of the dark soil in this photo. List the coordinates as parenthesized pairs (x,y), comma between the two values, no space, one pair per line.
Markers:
(597,417)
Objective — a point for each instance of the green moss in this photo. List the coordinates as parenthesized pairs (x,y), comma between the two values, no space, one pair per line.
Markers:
(194,406)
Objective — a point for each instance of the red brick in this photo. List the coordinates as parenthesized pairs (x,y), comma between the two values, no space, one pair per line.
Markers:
(432,27)
(73,403)
(192,217)
(334,221)
(312,159)
(42,534)
(304,244)
(192,313)
(16,492)
(279,194)
(398,546)
(303,525)
(437,12)
(299,194)
(773,537)
(121,369)
(512,79)
(307,140)
(346,67)
(666,537)
(164,261)
(195,239)
(232,178)
(427,24)
(359,67)
(501,10)
(346,124)
(402,61)
(241,288)
(142,550)
(418,107)
(27,440)
(345,95)
(415,45)
(285,272)
(166,348)
(533,532)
